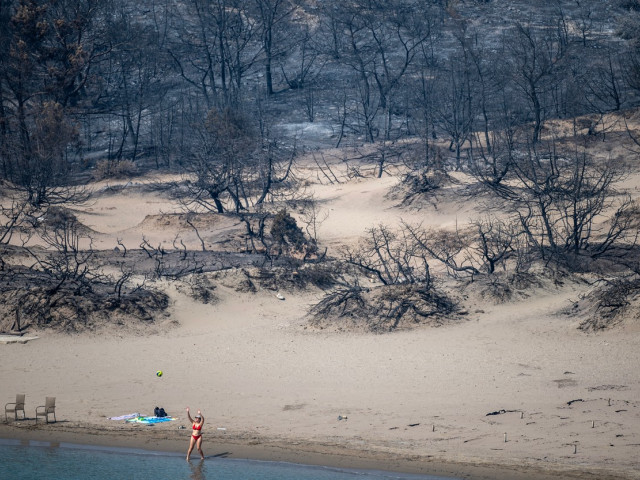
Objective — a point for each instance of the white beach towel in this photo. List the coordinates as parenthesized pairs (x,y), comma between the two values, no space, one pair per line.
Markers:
(125,417)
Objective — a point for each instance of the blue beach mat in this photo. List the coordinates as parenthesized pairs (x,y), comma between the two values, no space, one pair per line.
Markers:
(150,420)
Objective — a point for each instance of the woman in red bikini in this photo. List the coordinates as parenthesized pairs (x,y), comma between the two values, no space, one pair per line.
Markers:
(196,434)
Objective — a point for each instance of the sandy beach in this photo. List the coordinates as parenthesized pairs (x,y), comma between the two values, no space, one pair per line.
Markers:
(511,390)
(391,235)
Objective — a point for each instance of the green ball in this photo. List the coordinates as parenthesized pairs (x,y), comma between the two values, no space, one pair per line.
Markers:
(159,373)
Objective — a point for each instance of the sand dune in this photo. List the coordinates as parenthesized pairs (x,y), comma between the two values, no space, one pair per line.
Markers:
(566,401)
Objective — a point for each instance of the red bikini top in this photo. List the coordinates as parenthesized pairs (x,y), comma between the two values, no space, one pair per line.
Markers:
(197,427)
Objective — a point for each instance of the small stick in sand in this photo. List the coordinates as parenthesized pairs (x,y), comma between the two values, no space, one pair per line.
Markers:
(521,414)
(593,423)
(575,448)
(505,437)
(433,427)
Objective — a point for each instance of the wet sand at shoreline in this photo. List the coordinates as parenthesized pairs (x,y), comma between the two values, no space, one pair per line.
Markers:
(296,452)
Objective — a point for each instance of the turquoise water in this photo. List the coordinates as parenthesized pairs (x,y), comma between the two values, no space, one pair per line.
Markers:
(40,460)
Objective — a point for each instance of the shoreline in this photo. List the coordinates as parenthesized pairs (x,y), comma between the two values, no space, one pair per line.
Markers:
(303,452)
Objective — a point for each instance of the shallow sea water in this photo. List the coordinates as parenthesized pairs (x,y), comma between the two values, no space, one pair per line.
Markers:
(42,460)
